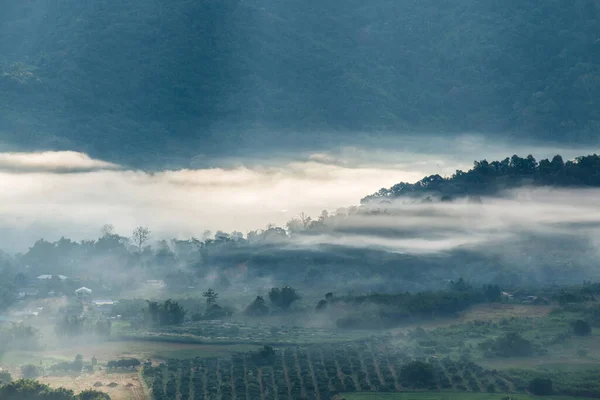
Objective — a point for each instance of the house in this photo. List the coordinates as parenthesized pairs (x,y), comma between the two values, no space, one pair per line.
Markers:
(28,293)
(83,294)
(49,277)
(104,306)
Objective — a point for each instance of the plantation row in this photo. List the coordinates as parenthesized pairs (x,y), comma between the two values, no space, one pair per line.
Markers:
(317,373)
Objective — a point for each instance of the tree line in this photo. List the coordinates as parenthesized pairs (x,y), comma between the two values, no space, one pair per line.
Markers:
(488,178)
(25,389)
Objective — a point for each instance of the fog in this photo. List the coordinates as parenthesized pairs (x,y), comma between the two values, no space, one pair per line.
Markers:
(54,194)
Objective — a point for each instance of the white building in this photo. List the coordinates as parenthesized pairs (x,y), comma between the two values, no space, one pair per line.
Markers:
(48,277)
(104,306)
(83,294)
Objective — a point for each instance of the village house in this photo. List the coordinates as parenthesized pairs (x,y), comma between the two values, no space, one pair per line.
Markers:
(83,294)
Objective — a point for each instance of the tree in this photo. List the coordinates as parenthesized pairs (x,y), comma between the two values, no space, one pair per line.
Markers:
(321,305)
(284,297)
(492,293)
(264,356)
(107,230)
(541,386)
(257,308)
(29,371)
(140,236)
(582,328)
(417,374)
(77,364)
(25,389)
(93,395)
(211,297)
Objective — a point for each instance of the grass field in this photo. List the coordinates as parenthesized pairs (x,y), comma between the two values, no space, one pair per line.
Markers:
(446,396)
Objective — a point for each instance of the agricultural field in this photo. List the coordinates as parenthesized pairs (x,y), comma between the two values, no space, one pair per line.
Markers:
(316,372)
(444,396)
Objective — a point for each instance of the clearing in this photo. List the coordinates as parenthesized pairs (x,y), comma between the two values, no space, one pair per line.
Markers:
(129,385)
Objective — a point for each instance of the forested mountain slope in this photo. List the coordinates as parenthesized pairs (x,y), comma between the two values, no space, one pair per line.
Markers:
(490,178)
(158,76)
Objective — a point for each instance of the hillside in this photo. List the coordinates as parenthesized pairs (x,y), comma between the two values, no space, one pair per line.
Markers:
(186,76)
(489,178)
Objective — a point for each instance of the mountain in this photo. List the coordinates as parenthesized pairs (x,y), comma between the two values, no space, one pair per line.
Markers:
(143,80)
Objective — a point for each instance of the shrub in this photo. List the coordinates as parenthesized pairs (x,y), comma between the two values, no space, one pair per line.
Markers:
(540,386)
(581,328)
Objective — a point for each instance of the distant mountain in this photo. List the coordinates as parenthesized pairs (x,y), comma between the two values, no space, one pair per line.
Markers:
(138,80)
(486,178)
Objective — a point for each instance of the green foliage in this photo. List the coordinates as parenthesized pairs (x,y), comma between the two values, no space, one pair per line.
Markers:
(92,395)
(264,356)
(417,374)
(393,309)
(124,363)
(167,313)
(541,386)
(257,308)
(211,297)
(284,297)
(24,389)
(581,328)
(510,345)
(491,177)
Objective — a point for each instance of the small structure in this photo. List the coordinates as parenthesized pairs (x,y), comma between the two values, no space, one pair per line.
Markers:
(49,277)
(83,294)
(104,306)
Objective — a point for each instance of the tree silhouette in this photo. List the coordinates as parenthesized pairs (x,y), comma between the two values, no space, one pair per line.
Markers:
(140,236)
(211,297)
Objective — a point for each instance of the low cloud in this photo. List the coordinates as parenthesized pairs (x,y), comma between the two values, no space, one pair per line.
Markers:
(54,194)
(52,161)
(43,197)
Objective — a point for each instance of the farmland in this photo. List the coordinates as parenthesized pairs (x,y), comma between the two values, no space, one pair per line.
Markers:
(443,396)
(318,372)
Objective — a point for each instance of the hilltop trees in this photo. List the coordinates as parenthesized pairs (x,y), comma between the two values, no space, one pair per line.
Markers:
(488,178)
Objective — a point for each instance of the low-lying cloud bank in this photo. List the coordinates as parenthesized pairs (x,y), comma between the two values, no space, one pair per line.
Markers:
(54,194)
(52,161)
(517,216)
(41,196)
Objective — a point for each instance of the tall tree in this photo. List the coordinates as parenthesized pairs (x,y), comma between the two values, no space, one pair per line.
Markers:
(140,236)
(211,297)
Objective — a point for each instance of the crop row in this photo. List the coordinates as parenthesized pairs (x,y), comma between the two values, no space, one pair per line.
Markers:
(315,373)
